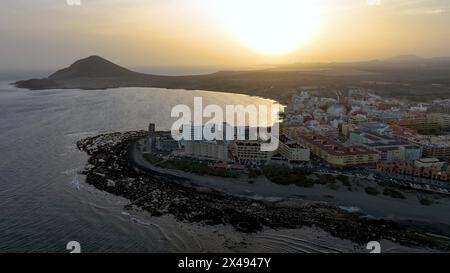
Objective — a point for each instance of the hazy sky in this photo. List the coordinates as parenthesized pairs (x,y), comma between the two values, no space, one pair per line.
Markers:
(51,33)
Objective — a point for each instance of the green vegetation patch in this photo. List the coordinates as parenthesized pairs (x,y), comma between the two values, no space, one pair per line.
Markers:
(345,180)
(426,202)
(254,173)
(372,191)
(283,175)
(188,165)
(292,179)
(393,193)
(153,158)
(328,178)
(333,186)
(276,170)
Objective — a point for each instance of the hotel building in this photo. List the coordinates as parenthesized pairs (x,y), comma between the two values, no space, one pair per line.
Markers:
(292,151)
(336,153)
(211,150)
(390,149)
(248,152)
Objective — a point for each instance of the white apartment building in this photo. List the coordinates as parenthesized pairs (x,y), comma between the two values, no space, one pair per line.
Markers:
(292,151)
(212,150)
(249,152)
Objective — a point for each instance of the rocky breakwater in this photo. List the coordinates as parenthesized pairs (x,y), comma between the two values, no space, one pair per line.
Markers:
(108,170)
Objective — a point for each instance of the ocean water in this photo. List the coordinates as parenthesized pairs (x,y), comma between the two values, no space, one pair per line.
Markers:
(44,203)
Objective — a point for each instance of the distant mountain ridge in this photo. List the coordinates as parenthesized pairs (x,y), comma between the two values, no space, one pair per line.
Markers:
(401,60)
(404,76)
(407,57)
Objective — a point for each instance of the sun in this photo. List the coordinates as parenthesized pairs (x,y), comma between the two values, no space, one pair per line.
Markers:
(272,27)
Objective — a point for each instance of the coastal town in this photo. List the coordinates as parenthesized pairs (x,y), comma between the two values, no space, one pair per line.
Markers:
(354,134)
(332,152)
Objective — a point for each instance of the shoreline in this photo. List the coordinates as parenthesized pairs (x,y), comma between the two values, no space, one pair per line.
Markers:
(108,170)
(272,99)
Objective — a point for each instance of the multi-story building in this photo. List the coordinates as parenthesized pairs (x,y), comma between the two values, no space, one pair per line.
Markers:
(435,177)
(150,142)
(433,146)
(336,153)
(430,163)
(292,151)
(403,133)
(212,150)
(418,122)
(439,150)
(325,130)
(425,122)
(249,152)
(390,149)
(356,118)
(375,127)
(443,120)
(384,115)
(441,106)
(165,143)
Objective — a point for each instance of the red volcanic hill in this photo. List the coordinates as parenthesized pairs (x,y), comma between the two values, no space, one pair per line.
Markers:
(93,67)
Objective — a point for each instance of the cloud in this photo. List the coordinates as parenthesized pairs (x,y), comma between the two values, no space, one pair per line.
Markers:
(373,2)
(422,7)
(435,11)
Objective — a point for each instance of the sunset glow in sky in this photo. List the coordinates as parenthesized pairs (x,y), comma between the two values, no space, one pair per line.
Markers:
(135,33)
(269,26)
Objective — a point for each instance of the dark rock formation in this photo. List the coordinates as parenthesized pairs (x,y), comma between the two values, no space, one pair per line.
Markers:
(37,84)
